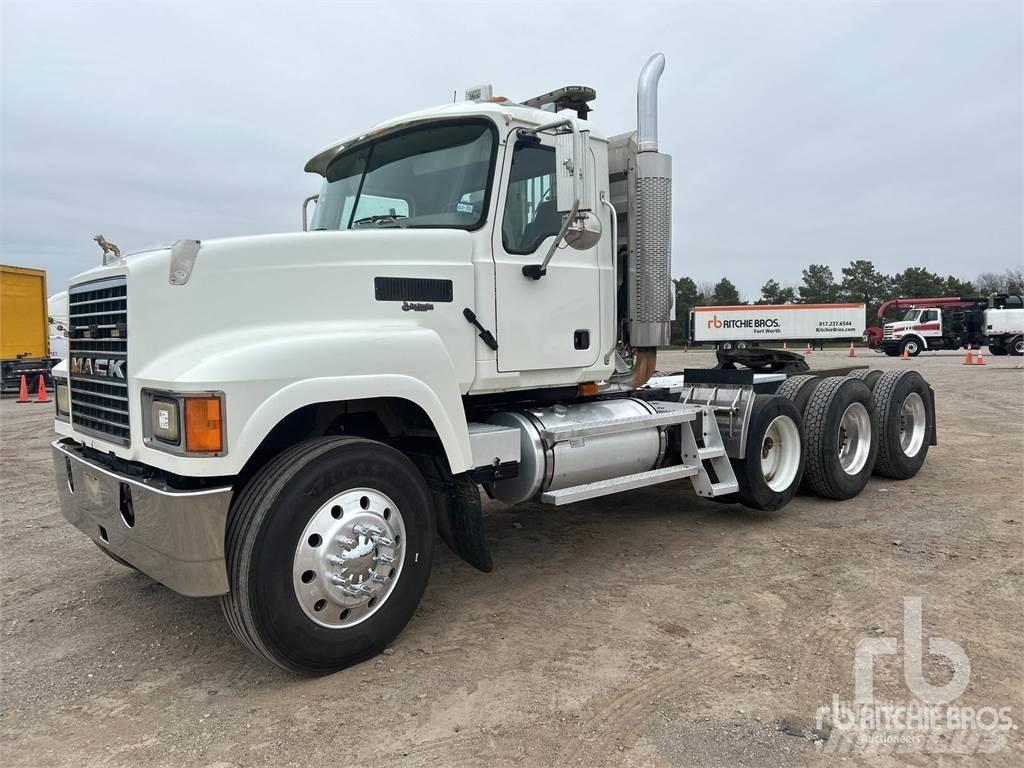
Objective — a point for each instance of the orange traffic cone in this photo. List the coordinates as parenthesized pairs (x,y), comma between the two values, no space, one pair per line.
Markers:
(981,358)
(23,393)
(41,397)
(969,357)
(905,355)
(851,353)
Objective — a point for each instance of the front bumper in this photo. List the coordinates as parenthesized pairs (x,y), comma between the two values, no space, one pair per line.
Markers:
(177,537)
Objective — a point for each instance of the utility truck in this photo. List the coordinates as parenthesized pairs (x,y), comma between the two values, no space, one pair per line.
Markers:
(950,323)
(477,301)
(743,326)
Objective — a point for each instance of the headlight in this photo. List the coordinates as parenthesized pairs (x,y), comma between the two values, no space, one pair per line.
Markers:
(62,397)
(187,423)
(165,420)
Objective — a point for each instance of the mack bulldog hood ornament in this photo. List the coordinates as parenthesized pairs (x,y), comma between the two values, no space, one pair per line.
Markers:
(108,248)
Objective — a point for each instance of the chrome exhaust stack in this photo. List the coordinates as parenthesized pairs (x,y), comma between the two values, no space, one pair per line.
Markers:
(650,219)
(647,103)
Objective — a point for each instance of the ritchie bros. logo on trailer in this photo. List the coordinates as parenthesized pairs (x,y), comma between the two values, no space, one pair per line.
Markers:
(760,322)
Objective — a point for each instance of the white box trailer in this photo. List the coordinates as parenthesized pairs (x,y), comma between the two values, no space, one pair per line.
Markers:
(745,325)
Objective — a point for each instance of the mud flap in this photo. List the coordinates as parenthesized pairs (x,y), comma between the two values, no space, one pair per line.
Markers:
(460,517)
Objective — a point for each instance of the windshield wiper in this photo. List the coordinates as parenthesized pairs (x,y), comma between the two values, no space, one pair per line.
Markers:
(381,218)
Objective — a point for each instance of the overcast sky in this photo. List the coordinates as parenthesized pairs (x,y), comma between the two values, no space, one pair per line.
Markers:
(801,132)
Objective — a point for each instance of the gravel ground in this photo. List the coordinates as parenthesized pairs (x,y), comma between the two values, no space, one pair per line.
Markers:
(651,628)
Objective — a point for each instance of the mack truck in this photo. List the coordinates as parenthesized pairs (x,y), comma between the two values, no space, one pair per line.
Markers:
(289,421)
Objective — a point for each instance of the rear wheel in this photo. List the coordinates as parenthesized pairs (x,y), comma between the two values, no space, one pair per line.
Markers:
(770,473)
(328,551)
(867,375)
(840,424)
(996,350)
(905,423)
(798,389)
(1016,346)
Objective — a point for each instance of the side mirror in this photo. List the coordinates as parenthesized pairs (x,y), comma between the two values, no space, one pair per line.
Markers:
(573,174)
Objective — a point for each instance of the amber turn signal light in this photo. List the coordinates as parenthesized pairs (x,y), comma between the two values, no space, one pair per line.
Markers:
(204,426)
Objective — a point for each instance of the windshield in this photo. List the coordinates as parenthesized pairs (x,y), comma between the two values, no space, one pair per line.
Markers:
(911,315)
(433,176)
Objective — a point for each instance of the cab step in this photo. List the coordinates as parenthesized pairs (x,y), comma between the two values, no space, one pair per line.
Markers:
(618,484)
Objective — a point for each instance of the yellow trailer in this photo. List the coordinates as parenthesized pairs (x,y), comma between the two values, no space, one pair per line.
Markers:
(24,327)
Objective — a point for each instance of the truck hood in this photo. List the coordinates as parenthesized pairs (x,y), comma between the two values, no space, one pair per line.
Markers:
(900,326)
(244,290)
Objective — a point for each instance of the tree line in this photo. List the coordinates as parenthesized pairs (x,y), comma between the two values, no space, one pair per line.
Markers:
(861,282)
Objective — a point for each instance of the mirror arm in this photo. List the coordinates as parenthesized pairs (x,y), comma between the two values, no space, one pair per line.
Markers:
(563,123)
(305,208)
(537,271)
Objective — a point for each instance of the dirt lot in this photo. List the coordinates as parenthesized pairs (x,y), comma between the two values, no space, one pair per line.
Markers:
(648,629)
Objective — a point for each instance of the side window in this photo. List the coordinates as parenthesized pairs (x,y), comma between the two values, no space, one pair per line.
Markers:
(931,316)
(531,213)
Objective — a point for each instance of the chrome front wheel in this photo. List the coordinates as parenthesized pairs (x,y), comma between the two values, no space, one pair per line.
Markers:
(328,551)
(349,557)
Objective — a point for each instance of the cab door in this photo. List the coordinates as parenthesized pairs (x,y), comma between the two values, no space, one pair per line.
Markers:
(552,322)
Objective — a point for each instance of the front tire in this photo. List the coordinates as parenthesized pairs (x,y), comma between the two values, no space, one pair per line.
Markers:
(328,552)
(911,346)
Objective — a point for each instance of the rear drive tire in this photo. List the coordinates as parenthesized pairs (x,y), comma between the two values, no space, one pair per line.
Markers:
(1016,346)
(770,474)
(905,424)
(799,389)
(328,553)
(996,351)
(867,375)
(841,428)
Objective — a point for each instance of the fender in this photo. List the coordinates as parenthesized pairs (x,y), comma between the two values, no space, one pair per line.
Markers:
(920,339)
(270,372)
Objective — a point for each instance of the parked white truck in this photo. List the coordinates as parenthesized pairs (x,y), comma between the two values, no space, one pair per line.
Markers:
(285,420)
(738,327)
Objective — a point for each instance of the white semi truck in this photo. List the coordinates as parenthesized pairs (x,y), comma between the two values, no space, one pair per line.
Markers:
(286,420)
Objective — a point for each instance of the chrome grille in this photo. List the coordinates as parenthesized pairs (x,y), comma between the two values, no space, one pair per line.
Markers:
(98,358)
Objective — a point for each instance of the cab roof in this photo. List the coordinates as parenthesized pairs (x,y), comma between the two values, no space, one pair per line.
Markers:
(506,112)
